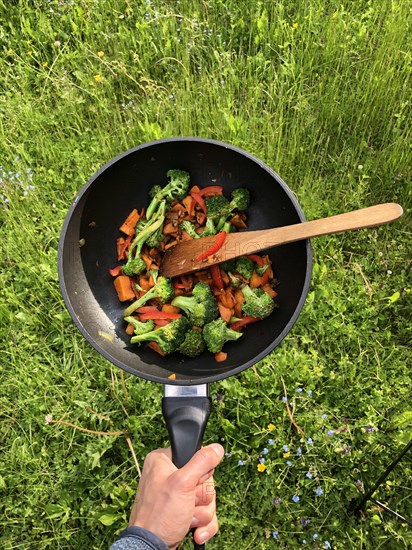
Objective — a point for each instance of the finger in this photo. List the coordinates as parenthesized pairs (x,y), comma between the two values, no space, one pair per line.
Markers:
(167,451)
(203,515)
(205,493)
(202,462)
(203,534)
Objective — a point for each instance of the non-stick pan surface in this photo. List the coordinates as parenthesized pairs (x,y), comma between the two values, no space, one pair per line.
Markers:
(87,250)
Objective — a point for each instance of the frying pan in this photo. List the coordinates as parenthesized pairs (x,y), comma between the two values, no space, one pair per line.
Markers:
(87,250)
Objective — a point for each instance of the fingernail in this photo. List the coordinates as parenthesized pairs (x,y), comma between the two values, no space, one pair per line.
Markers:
(203,536)
(219,450)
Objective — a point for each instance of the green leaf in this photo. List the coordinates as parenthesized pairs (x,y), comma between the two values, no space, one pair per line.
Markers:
(109,519)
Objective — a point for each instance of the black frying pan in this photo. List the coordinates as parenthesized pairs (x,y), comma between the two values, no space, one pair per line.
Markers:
(87,251)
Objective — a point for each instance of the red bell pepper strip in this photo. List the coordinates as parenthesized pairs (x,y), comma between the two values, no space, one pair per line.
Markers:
(162,322)
(179,285)
(159,315)
(124,247)
(199,199)
(115,271)
(220,239)
(216,276)
(146,309)
(245,321)
(211,190)
(257,259)
(264,279)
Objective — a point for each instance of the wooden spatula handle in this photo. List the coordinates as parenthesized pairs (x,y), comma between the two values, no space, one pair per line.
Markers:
(365,217)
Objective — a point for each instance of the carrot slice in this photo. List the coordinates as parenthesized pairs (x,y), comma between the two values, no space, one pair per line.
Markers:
(257,259)
(155,347)
(123,288)
(255,280)
(272,293)
(128,226)
(220,356)
(189,203)
(168,308)
(129,329)
(225,312)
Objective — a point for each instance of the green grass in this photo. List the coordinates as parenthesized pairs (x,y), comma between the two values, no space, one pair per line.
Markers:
(321,92)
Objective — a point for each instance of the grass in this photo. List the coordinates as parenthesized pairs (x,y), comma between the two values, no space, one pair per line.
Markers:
(321,92)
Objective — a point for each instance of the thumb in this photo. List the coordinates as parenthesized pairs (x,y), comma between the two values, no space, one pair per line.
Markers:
(202,462)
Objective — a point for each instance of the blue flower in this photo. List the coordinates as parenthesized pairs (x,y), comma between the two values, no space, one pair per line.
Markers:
(240,463)
(284,399)
(331,432)
(309,392)
(327,544)
(310,441)
(275,534)
(262,460)
(265,451)
(289,463)
(315,536)
(296,498)
(299,451)
(276,501)
(309,475)
(299,390)
(285,448)
(324,416)
(319,492)
(271,442)
(304,541)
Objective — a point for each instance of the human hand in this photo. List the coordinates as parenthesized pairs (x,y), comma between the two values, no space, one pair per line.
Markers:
(170,501)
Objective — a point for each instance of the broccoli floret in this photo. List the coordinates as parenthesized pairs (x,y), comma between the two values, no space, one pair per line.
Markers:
(189,228)
(169,338)
(228,265)
(193,344)
(245,267)
(135,264)
(154,191)
(210,228)
(201,307)
(260,269)
(235,281)
(257,302)
(217,333)
(217,207)
(240,199)
(163,290)
(176,189)
(140,327)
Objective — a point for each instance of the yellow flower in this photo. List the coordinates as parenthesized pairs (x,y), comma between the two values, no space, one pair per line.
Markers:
(295,25)
(286,455)
(100,53)
(261,467)
(271,427)
(45,64)
(97,78)
(10,51)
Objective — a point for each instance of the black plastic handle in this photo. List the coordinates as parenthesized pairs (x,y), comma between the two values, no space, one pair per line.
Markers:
(186,419)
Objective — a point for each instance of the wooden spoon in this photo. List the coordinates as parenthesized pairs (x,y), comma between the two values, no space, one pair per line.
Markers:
(181,258)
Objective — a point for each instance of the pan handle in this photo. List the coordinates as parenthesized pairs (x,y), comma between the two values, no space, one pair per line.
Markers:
(186,417)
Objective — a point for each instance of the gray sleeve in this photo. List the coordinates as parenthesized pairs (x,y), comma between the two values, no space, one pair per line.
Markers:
(137,538)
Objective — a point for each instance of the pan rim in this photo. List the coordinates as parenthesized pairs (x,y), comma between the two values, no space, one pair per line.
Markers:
(198,380)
